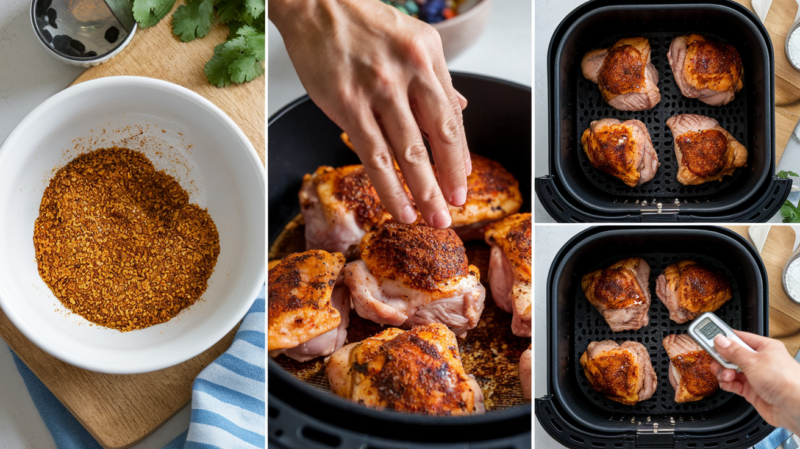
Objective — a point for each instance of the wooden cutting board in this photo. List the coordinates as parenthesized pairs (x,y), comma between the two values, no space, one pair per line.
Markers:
(121,410)
(787,80)
(784,314)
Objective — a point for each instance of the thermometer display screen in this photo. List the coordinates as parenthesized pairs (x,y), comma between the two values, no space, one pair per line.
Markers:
(709,329)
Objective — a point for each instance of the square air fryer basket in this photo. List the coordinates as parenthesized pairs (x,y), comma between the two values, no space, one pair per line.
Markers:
(576,191)
(576,415)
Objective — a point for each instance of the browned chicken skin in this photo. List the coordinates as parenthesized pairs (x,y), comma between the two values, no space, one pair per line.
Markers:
(705,69)
(705,151)
(689,369)
(689,290)
(510,269)
(622,373)
(626,77)
(620,293)
(621,149)
(416,371)
(308,311)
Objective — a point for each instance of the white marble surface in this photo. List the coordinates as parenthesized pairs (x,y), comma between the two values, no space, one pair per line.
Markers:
(502,51)
(28,76)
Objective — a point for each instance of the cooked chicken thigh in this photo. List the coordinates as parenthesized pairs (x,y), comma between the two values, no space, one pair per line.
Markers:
(622,373)
(414,275)
(525,372)
(309,307)
(626,77)
(510,269)
(621,149)
(705,151)
(417,371)
(708,70)
(339,206)
(689,290)
(620,293)
(689,369)
(492,193)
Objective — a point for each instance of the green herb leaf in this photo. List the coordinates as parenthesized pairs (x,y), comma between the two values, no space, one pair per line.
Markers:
(193,20)
(238,60)
(230,10)
(149,12)
(790,213)
(254,8)
(783,174)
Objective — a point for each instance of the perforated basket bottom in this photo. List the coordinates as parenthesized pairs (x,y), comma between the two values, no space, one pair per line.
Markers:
(490,352)
(591,106)
(590,326)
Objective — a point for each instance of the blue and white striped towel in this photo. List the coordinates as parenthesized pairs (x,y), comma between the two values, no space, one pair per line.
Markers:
(228,397)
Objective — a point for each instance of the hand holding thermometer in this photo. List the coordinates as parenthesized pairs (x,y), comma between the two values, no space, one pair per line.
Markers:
(705,328)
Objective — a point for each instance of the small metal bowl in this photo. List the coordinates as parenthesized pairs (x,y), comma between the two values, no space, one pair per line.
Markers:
(795,25)
(791,260)
(82,33)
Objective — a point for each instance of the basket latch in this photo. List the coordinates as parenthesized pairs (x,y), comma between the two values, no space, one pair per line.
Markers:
(657,207)
(651,436)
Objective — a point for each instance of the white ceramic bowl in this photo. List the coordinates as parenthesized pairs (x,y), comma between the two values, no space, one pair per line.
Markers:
(201,147)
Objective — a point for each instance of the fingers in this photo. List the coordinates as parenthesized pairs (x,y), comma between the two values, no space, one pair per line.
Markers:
(734,352)
(436,116)
(374,152)
(443,75)
(411,155)
(462,101)
(755,341)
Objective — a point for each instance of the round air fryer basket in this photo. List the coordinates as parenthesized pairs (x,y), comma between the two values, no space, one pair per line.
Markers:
(576,415)
(576,191)
(301,138)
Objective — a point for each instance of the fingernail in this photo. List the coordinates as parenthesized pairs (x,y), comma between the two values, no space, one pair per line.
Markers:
(441,219)
(459,196)
(408,215)
(722,341)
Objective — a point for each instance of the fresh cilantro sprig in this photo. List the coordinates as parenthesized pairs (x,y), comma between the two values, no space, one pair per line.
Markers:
(241,57)
(783,174)
(790,213)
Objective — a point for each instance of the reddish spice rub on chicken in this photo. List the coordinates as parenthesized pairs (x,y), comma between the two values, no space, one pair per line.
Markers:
(705,151)
(309,307)
(415,371)
(706,69)
(510,269)
(415,275)
(689,369)
(620,293)
(621,149)
(622,373)
(689,289)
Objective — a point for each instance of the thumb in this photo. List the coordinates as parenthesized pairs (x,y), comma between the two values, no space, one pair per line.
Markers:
(735,353)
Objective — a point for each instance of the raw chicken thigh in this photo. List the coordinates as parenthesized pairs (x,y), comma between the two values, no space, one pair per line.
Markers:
(510,269)
(416,371)
(689,369)
(708,70)
(620,293)
(309,307)
(415,275)
(626,77)
(622,373)
(705,151)
(621,149)
(689,290)
(525,372)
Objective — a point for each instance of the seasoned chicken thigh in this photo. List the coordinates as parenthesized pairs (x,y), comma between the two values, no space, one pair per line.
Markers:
(414,275)
(705,151)
(620,293)
(689,369)
(525,372)
(510,269)
(309,307)
(492,193)
(339,206)
(626,77)
(689,290)
(705,69)
(416,371)
(622,373)
(621,149)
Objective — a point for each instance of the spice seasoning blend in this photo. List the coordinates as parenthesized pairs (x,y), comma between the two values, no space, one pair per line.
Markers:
(118,242)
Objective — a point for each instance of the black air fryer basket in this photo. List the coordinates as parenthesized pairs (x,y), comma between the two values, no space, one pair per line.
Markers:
(301,416)
(574,414)
(574,191)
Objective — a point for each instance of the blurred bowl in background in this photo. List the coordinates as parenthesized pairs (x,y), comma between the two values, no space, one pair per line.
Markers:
(460,32)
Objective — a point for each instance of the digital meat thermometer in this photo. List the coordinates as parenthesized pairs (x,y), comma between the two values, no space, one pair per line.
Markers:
(705,328)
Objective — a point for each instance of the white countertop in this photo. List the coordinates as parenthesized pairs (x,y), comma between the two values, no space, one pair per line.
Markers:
(28,76)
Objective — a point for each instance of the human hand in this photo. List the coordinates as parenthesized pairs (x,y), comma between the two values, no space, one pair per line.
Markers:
(381,76)
(770,377)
